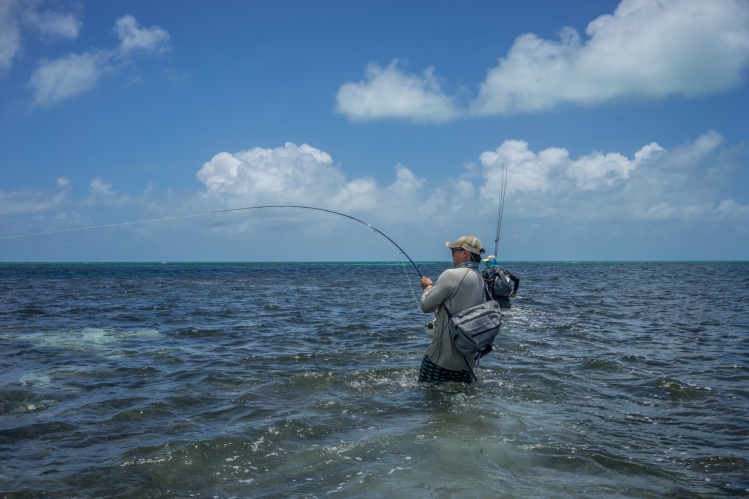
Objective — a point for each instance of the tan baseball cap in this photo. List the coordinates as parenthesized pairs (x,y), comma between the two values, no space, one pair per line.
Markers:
(470,243)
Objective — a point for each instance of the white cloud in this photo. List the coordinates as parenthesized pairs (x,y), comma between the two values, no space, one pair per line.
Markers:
(54,24)
(651,184)
(730,208)
(263,175)
(102,194)
(16,16)
(654,184)
(653,187)
(133,37)
(303,175)
(10,35)
(36,201)
(645,49)
(56,80)
(390,92)
(596,170)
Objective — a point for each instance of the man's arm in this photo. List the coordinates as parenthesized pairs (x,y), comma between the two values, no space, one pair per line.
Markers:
(516,282)
(435,294)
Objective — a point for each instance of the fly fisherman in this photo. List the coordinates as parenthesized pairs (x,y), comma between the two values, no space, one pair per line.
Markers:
(456,289)
(498,282)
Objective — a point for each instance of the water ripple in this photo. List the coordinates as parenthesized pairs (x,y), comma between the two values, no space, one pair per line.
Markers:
(147,380)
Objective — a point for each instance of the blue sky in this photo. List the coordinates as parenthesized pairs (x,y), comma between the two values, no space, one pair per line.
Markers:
(622,126)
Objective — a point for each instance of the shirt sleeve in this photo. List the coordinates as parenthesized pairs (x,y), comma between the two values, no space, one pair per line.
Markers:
(515,279)
(434,295)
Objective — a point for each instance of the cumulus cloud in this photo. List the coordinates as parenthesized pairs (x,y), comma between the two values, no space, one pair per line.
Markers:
(59,79)
(685,183)
(302,175)
(390,92)
(652,184)
(264,175)
(645,49)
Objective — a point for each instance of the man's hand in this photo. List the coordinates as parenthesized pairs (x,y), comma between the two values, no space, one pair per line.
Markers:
(425,281)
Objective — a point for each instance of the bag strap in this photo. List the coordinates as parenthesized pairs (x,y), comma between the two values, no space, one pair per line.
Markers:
(487,296)
(450,315)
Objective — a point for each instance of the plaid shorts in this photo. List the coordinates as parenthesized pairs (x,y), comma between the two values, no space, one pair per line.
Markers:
(431,372)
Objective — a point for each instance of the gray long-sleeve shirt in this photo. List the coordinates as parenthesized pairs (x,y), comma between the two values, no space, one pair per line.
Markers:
(458,289)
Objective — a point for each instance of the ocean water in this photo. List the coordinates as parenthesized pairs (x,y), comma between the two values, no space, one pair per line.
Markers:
(277,380)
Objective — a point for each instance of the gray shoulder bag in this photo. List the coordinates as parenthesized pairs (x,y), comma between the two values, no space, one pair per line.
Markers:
(473,330)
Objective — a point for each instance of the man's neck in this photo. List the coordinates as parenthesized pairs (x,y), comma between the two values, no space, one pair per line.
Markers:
(462,261)
(467,264)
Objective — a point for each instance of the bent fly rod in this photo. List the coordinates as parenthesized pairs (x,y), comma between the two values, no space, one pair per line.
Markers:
(327,211)
(226,211)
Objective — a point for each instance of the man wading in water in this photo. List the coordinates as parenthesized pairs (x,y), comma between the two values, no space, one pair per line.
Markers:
(498,282)
(457,289)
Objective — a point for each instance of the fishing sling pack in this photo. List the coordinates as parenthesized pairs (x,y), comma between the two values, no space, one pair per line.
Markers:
(473,330)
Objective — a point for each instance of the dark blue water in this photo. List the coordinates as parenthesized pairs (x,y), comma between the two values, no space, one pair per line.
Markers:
(270,380)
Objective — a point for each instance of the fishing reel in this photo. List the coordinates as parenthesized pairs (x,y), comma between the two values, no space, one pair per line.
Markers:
(429,326)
